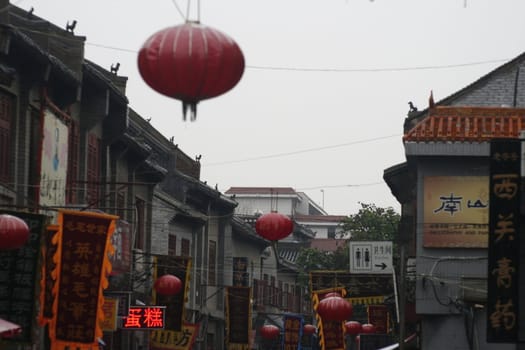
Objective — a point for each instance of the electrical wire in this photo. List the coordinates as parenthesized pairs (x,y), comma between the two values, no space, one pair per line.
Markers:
(314,149)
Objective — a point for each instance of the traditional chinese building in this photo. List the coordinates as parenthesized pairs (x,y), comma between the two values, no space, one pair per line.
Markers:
(444,189)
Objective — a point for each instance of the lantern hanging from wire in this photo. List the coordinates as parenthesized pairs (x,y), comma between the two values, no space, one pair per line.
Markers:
(269,332)
(168,285)
(353,328)
(191,62)
(309,329)
(14,232)
(273,226)
(368,328)
(334,309)
(332,294)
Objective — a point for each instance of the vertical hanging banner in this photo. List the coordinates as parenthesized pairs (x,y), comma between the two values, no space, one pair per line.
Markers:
(379,316)
(504,241)
(293,332)
(240,272)
(121,241)
(48,274)
(18,276)
(176,335)
(174,340)
(238,317)
(83,246)
(331,333)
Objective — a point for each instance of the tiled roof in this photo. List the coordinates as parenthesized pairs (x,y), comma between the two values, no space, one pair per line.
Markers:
(320,218)
(289,255)
(467,124)
(327,244)
(261,190)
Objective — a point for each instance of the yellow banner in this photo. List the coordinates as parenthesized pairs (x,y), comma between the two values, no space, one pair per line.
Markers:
(110,309)
(174,340)
(372,300)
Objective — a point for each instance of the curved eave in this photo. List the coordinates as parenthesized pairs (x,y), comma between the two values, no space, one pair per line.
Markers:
(97,75)
(35,52)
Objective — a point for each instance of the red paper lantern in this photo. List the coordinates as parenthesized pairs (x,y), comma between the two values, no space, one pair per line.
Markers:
(353,327)
(274,226)
(269,332)
(368,328)
(334,309)
(14,232)
(332,294)
(168,285)
(309,329)
(191,62)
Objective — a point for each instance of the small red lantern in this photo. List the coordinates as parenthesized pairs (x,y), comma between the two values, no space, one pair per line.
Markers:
(14,232)
(191,62)
(269,332)
(309,329)
(274,226)
(353,327)
(368,328)
(334,309)
(168,285)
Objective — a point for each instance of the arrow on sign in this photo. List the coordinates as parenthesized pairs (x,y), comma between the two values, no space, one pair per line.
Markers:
(382,266)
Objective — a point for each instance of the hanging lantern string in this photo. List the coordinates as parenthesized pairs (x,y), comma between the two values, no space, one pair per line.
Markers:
(178,9)
(188,10)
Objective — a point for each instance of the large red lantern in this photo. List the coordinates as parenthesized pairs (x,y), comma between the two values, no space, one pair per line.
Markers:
(332,294)
(368,328)
(269,332)
(168,285)
(353,328)
(334,309)
(274,226)
(191,62)
(309,329)
(14,232)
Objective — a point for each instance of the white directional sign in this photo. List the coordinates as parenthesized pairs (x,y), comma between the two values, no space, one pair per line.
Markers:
(371,257)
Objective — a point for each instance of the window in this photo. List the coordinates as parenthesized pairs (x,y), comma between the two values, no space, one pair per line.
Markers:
(286,295)
(273,291)
(266,293)
(72,162)
(140,207)
(6,110)
(121,205)
(212,255)
(331,232)
(172,245)
(93,169)
(185,247)
(279,293)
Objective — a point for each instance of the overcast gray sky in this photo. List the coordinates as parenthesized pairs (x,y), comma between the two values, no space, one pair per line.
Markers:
(322,101)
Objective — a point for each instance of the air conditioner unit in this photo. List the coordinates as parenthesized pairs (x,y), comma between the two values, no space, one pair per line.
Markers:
(474,289)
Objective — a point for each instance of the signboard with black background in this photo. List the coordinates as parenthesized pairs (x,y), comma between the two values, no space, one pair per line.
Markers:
(504,241)
(18,276)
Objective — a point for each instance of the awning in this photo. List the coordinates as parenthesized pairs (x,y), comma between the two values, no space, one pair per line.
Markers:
(396,345)
(8,329)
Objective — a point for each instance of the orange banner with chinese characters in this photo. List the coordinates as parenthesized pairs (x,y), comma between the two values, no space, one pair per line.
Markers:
(110,307)
(238,317)
(293,331)
(331,333)
(48,275)
(174,340)
(82,267)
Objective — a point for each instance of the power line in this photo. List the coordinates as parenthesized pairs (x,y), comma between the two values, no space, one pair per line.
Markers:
(285,154)
(341,70)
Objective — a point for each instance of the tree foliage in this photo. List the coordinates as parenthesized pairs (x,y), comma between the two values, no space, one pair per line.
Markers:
(372,223)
